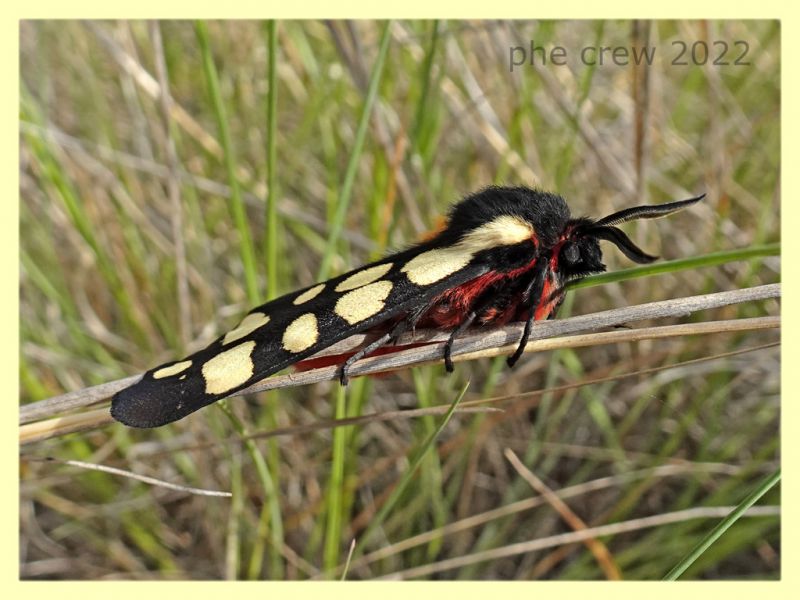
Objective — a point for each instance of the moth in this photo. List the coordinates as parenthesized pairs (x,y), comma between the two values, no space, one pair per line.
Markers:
(504,254)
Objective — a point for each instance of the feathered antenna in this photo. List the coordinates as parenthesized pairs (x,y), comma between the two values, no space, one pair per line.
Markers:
(605,230)
(647,212)
(624,243)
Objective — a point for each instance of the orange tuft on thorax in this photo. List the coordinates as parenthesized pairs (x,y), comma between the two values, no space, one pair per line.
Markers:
(439,227)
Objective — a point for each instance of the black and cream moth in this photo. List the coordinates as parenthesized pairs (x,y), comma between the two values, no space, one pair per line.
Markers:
(503,255)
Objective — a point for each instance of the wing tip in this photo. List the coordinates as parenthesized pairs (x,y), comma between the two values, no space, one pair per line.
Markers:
(152,403)
(135,409)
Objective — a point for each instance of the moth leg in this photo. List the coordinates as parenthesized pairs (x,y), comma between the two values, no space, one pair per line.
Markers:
(388,338)
(448,347)
(407,324)
(532,294)
(493,299)
(385,339)
(558,295)
(526,333)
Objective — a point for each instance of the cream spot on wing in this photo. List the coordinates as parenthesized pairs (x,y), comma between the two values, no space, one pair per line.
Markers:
(433,265)
(301,333)
(364,302)
(309,294)
(229,369)
(249,324)
(179,367)
(505,230)
(363,277)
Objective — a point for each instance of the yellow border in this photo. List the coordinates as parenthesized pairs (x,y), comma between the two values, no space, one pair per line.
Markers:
(421,9)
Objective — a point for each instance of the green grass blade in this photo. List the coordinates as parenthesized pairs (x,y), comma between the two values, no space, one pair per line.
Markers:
(426,78)
(271,248)
(333,529)
(681,264)
(416,461)
(237,203)
(271,494)
(767,484)
(343,201)
(271,234)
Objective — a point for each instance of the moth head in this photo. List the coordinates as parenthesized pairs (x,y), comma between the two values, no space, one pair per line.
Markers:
(580,253)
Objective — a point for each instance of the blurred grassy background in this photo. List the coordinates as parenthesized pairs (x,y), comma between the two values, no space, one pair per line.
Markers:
(146,231)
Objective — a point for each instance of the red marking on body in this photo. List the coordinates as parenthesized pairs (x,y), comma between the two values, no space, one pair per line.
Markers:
(544,308)
(547,304)
(338,359)
(451,307)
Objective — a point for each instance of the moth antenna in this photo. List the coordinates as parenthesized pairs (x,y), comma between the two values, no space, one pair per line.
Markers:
(647,212)
(624,243)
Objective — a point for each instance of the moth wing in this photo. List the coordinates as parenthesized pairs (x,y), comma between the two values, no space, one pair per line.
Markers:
(290,328)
